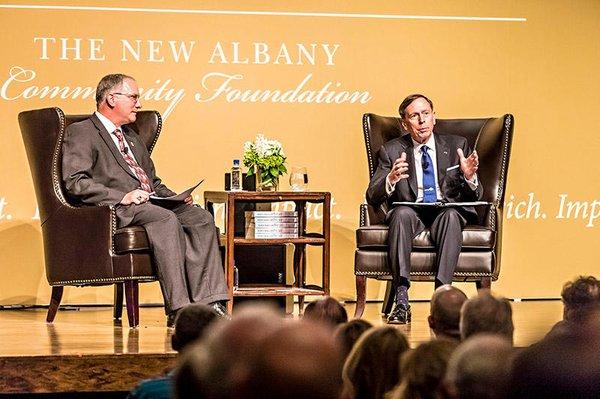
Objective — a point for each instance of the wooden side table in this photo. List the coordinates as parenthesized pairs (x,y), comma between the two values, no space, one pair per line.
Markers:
(299,288)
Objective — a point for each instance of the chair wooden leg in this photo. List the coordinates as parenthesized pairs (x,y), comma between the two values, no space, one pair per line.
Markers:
(57,293)
(131,300)
(388,300)
(484,283)
(118,310)
(361,296)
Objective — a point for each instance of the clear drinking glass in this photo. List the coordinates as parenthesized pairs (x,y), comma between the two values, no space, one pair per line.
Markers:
(298,178)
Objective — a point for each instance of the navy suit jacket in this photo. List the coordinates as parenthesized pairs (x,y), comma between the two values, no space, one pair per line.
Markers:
(451,180)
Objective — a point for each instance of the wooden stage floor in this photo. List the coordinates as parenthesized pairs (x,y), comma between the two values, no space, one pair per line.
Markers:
(88,343)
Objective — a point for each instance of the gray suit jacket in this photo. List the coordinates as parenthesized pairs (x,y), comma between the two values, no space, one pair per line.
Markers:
(453,186)
(94,171)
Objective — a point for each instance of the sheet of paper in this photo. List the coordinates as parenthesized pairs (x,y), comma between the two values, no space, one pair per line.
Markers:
(174,198)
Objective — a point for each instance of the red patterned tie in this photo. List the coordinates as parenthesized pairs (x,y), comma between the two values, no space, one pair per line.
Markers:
(135,167)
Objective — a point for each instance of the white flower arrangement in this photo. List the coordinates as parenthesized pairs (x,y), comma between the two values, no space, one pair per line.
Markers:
(265,157)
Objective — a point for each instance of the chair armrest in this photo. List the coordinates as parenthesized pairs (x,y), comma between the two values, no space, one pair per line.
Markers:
(370,216)
(78,244)
(490,216)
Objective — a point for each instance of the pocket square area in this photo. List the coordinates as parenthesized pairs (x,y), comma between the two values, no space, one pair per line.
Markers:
(452,167)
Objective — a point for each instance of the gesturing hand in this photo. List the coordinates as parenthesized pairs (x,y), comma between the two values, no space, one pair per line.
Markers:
(135,197)
(399,170)
(468,165)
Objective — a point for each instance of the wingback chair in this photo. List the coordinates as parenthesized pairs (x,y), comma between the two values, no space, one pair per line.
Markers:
(82,244)
(479,260)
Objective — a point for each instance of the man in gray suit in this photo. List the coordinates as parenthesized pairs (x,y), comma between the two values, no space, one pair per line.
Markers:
(105,163)
(423,167)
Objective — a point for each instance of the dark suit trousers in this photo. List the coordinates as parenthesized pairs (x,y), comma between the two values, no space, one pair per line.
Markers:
(186,254)
(405,223)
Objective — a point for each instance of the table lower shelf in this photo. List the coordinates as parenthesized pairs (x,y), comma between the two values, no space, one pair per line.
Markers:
(256,290)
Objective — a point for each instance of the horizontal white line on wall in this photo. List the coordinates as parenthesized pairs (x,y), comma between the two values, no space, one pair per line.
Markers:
(261,13)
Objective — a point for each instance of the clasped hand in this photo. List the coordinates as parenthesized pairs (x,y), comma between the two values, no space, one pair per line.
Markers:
(136,196)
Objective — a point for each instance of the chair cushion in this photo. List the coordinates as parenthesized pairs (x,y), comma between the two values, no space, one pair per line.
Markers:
(374,264)
(376,238)
(131,238)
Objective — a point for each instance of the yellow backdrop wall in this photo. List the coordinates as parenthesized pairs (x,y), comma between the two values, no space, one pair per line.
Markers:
(537,60)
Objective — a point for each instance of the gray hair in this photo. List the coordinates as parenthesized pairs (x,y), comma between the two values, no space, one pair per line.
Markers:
(107,83)
(486,313)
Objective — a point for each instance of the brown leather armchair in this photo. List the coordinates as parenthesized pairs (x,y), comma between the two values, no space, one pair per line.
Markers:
(479,260)
(82,245)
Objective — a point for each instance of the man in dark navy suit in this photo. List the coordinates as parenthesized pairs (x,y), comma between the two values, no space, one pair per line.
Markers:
(423,167)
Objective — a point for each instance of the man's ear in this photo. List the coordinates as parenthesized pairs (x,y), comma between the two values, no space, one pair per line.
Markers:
(431,322)
(110,101)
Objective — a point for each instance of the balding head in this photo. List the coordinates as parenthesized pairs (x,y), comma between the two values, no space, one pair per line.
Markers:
(300,360)
(219,364)
(444,318)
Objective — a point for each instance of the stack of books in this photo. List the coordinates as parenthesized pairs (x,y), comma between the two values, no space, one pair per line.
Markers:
(271,224)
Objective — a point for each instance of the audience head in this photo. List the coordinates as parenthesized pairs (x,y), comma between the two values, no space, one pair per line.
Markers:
(371,369)
(444,318)
(348,333)
(479,368)
(485,313)
(298,361)
(326,310)
(190,324)
(562,365)
(422,370)
(218,365)
(579,297)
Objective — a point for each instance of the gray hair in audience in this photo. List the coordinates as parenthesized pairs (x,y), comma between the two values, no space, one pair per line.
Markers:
(485,313)
(480,368)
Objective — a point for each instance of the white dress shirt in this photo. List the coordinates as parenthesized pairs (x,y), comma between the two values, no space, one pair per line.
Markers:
(418,154)
(110,127)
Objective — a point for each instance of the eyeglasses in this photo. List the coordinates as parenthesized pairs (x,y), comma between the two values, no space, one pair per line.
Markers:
(133,97)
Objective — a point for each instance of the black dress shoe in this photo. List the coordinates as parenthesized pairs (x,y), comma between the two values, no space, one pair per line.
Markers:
(399,315)
(220,310)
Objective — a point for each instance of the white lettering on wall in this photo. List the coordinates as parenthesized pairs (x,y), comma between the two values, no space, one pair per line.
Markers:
(152,50)
(220,85)
(70,49)
(260,53)
(587,210)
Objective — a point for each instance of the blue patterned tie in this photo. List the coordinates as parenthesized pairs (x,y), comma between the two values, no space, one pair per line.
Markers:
(429,194)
